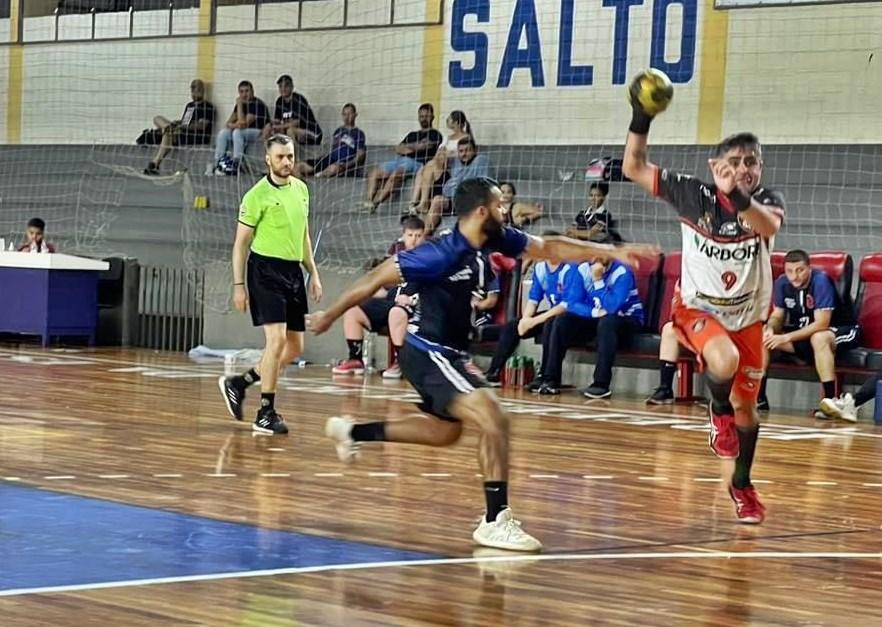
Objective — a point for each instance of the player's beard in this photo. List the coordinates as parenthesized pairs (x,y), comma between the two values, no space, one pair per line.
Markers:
(492,227)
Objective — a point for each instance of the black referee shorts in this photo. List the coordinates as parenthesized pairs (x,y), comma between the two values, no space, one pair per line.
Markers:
(438,378)
(844,338)
(276,292)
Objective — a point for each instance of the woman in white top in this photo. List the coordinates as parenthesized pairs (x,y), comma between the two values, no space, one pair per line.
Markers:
(433,173)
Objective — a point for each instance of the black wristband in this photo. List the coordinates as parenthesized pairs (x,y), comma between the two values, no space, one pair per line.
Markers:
(639,122)
(238,284)
(740,200)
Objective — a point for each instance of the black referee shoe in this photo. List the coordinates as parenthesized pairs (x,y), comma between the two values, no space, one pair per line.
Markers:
(268,422)
(234,395)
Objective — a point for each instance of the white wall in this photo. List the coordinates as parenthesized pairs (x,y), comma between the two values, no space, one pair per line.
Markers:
(806,74)
(797,74)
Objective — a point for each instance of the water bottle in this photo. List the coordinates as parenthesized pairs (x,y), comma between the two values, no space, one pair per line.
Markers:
(529,371)
(2,243)
(367,353)
(877,404)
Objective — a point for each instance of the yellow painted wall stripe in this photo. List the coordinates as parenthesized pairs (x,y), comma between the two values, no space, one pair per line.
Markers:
(14,76)
(205,45)
(712,73)
(433,58)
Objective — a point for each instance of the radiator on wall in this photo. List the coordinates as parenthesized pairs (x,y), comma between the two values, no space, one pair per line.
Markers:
(170,308)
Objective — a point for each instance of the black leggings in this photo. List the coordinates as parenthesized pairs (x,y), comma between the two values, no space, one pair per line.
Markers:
(509,340)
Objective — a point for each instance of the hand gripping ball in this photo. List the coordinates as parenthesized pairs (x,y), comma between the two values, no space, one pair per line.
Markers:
(651,91)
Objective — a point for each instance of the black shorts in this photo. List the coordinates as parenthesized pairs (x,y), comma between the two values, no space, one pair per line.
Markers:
(276,292)
(438,378)
(844,338)
(377,312)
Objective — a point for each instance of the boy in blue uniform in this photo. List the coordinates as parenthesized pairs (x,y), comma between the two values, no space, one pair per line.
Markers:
(434,358)
(609,308)
(550,282)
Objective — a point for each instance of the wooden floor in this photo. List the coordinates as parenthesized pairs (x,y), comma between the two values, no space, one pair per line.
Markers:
(627,501)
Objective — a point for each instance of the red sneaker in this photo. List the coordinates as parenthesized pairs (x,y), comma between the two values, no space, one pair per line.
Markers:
(723,435)
(748,507)
(350,366)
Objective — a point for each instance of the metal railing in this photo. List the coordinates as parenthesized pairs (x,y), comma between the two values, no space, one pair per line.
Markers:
(170,312)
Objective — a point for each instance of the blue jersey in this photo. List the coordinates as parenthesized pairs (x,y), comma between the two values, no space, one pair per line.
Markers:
(449,271)
(800,304)
(548,284)
(615,294)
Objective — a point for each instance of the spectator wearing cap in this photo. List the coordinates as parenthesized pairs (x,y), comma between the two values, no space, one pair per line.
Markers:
(35,238)
(347,153)
(293,115)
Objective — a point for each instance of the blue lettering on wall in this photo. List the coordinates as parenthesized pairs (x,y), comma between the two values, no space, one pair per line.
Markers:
(681,70)
(569,75)
(470,69)
(523,21)
(461,41)
(620,37)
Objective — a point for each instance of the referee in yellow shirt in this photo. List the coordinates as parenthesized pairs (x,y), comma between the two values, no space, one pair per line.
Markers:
(274,226)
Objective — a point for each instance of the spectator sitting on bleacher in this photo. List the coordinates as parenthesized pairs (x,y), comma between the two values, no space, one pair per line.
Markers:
(518,213)
(552,283)
(415,150)
(845,407)
(610,309)
(193,129)
(389,308)
(809,320)
(243,127)
(34,236)
(469,165)
(347,150)
(431,176)
(594,223)
(293,116)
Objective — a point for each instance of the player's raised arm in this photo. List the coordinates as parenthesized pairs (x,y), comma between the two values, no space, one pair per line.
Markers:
(650,93)
(558,248)
(384,274)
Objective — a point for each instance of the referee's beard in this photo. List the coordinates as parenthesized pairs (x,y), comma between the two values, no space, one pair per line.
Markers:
(282,174)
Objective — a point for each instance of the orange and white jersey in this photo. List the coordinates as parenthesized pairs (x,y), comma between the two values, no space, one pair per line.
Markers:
(727,269)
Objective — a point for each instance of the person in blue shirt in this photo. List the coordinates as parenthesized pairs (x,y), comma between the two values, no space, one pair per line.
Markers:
(468,165)
(347,153)
(809,320)
(610,309)
(550,282)
(434,358)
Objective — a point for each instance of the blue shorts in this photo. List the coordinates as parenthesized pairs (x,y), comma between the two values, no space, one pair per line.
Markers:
(402,162)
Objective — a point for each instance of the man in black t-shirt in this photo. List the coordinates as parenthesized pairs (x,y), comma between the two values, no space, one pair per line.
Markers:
(193,129)
(244,126)
(293,115)
(414,151)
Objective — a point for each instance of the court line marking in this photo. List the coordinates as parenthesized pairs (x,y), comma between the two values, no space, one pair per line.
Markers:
(275,474)
(58,477)
(597,477)
(356,386)
(447,561)
(113,476)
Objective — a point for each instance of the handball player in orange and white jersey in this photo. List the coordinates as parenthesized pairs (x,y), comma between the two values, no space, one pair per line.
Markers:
(725,287)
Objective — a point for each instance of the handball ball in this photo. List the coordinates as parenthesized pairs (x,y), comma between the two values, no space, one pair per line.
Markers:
(651,91)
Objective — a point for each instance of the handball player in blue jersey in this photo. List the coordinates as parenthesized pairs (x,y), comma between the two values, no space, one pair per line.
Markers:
(434,358)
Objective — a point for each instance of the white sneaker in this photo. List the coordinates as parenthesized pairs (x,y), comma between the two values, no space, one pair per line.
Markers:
(392,372)
(505,533)
(209,169)
(339,429)
(842,408)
